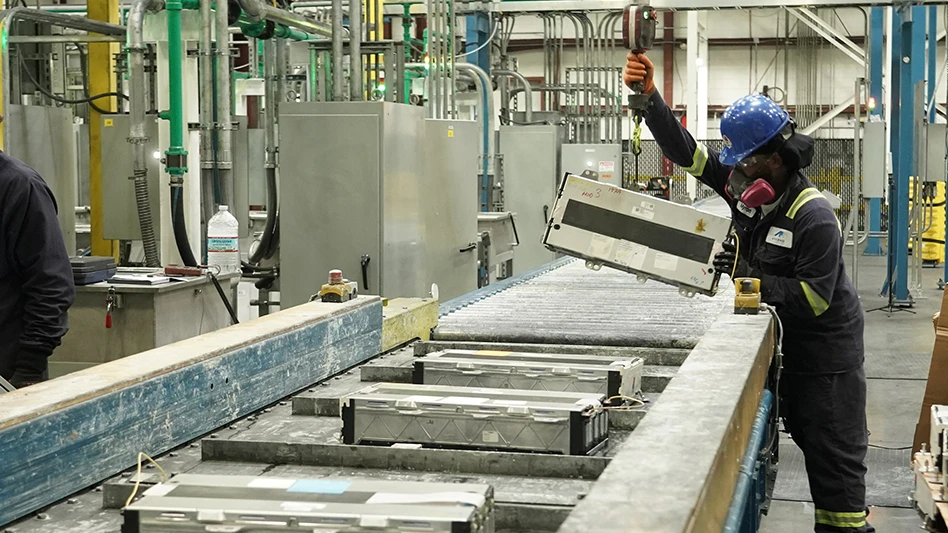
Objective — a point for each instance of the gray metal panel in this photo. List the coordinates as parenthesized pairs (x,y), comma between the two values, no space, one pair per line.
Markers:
(82,156)
(449,205)
(531,171)
(250,188)
(874,171)
(936,153)
(375,186)
(402,265)
(604,159)
(42,137)
(120,214)
(331,175)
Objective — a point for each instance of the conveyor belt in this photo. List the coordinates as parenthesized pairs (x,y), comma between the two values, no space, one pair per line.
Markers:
(571,304)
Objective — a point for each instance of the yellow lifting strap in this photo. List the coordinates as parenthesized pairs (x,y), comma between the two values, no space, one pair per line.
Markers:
(810,193)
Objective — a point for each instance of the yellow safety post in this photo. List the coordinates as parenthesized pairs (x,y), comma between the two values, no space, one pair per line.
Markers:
(933,239)
(101,80)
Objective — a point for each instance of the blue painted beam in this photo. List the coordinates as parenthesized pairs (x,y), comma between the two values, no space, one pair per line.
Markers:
(876,62)
(932,55)
(70,433)
(476,36)
(908,68)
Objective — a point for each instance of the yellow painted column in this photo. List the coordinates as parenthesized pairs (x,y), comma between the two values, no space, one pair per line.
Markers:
(101,80)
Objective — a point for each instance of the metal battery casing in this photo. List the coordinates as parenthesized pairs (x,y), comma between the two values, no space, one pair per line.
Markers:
(636,233)
(567,423)
(531,371)
(196,502)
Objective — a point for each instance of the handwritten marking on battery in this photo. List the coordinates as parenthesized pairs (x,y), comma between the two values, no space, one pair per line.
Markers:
(666,261)
(631,254)
(701,227)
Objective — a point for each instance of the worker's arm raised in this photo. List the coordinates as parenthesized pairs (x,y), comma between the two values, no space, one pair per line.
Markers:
(676,143)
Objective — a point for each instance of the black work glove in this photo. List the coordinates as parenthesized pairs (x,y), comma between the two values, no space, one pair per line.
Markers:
(31,367)
(724,260)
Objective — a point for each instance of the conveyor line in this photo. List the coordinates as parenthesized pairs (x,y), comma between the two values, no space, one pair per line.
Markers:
(571,304)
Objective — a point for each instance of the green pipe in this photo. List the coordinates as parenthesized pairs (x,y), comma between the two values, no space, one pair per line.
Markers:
(313,87)
(176,162)
(280,31)
(406,36)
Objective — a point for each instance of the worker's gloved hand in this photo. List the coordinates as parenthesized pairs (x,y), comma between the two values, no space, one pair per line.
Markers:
(31,367)
(639,69)
(724,260)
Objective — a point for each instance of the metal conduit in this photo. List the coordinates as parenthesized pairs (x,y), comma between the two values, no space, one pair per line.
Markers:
(527,90)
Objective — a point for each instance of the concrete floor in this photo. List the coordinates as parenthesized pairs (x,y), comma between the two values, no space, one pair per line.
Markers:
(898,352)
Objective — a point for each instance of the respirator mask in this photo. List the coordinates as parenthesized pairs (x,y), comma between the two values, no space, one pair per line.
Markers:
(747,184)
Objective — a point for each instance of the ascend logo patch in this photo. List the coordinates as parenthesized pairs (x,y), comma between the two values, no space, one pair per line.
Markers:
(780,237)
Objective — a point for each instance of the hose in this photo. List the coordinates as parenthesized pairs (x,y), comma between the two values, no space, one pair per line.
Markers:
(143,202)
(180,229)
(270,240)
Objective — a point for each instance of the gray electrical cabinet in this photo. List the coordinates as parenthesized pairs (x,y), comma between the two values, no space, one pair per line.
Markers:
(43,138)
(120,211)
(874,157)
(377,190)
(531,173)
(936,139)
(603,159)
(249,170)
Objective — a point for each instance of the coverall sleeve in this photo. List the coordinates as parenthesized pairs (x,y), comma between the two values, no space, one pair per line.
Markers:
(681,148)
(808,294)
(41,262)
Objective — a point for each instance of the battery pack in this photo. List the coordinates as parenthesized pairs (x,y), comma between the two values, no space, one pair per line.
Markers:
(201,503)
(636,233)
(531,371)
(567,423)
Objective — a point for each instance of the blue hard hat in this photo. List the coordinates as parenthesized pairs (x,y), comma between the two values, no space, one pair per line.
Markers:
(748,124)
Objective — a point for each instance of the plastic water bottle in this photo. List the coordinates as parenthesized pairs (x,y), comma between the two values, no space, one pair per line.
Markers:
(222,248)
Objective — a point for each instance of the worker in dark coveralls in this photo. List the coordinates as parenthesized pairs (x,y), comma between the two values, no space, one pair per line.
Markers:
(36,283)
(789,238)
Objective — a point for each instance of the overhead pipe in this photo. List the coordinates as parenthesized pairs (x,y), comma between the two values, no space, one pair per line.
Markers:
(356,76)
(257,11)
(224,120)
(338,77)
(137,136)
(527,90)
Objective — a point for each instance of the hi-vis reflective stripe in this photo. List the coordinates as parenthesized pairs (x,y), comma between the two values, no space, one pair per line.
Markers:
(817,303)
(805,196)
(698,160)
(841,520)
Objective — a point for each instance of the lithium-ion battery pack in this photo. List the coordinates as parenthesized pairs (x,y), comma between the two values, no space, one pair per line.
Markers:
(569,423)
(531,371)
(201,503)
(636,233)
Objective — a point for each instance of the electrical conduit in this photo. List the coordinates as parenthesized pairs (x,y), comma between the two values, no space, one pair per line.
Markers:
(485,86)
(527,91)
(137,137)
(224,119)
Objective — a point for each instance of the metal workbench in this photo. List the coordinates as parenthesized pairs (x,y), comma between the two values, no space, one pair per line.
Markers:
(699,387)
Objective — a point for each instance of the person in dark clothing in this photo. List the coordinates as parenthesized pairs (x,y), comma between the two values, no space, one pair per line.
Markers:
(36,282)
(789,237)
